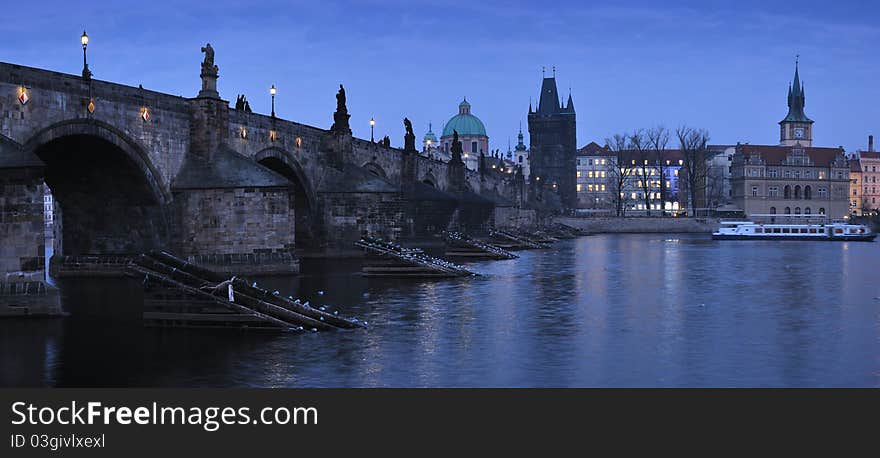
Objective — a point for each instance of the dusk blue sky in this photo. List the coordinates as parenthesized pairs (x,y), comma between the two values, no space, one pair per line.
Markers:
(721,65)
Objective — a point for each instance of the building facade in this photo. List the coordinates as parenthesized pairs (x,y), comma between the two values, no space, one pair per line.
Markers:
(471,134)
(651,184)
(553,145)
(593,187)
(869,162)
(719,195)
(855,186)
(791,180)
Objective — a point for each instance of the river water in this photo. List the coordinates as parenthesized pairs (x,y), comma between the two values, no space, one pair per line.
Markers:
(606,310)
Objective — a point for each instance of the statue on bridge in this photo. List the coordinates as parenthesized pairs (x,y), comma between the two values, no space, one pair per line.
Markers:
(209,74)
(341,116)
(455,150)
(242,104)
(409,139)
(208,66)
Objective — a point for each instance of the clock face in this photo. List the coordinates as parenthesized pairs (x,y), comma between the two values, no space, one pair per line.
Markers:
(799,132)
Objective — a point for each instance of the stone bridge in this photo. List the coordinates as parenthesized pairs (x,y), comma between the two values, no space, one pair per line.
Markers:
(133,170)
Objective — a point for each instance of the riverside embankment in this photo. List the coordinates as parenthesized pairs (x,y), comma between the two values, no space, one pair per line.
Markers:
(641,225)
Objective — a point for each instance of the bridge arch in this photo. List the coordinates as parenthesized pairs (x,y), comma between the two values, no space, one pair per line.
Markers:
(99,129)
(111,198)
(305,201)
(375,169)
(430,180)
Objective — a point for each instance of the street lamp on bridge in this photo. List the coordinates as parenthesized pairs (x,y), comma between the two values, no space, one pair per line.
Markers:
(372,125)
(272,92)
(84,39)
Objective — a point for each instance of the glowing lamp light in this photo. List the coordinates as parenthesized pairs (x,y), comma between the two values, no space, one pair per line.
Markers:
(22,96)
(299,142)
(372,122)
(243,133)
(145,114)
(272,90)
(91,106)
(273,135)
(84,39)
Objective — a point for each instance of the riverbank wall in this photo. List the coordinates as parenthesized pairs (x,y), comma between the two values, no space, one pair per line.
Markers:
(640,225)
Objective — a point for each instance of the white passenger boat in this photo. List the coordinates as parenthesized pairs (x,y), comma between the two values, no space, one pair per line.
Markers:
(810,227)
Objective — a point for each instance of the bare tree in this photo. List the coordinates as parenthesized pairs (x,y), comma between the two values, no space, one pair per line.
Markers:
(658,138)
(694,151)
(715,186)
(639,145)
(619,170)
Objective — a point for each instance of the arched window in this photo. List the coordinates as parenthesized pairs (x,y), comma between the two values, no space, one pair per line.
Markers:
(786,192)
(808,192)
(773,210)
(787,210)
(797,192)
(797,210)
(822,211)
(807,211)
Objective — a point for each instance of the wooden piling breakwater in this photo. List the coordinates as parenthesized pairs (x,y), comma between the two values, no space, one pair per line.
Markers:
(177,293)
(388,259)
(463,246)
(513,241)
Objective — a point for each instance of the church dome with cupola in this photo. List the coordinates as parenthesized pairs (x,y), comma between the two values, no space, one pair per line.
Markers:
(464,122)
(471,134)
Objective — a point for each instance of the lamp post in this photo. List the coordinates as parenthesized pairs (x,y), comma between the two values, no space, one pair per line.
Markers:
(372,125)
(272,92)
(84,39)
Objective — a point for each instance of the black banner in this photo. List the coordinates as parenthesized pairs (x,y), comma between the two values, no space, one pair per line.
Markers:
(250,422)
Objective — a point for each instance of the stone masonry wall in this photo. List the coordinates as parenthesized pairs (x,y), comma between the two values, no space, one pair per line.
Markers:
(227,221)
(21,225)
(349,216)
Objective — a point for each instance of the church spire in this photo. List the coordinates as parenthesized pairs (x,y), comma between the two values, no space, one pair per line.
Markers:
(796,98)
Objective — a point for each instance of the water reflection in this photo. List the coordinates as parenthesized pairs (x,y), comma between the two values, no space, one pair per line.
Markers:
(624,310)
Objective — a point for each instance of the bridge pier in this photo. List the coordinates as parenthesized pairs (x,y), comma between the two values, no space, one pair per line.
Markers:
(23,287)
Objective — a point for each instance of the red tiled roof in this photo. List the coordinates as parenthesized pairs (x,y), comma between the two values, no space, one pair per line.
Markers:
(775,155)
(855,165)
(593,149)
(869,154)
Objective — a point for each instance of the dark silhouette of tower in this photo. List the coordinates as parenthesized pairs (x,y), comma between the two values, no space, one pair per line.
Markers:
(553,145)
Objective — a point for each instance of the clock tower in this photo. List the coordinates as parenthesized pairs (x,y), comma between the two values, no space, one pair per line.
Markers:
(796,127)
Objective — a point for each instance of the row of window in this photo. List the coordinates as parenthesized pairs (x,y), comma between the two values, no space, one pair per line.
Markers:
(592,161)
(592,174)
(797,210)
(591,188)
(795,174)
(791,193)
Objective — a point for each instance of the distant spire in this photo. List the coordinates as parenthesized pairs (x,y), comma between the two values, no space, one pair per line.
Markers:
(796,98)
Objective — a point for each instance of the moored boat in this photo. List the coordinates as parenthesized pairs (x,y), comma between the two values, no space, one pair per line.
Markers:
(812,227)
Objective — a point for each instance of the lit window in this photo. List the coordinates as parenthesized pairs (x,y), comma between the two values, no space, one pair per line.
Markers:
(579,188)
(590,174)
(579,175)
(603,187)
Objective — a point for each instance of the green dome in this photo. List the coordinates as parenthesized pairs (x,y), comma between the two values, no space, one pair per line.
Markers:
(464,122)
